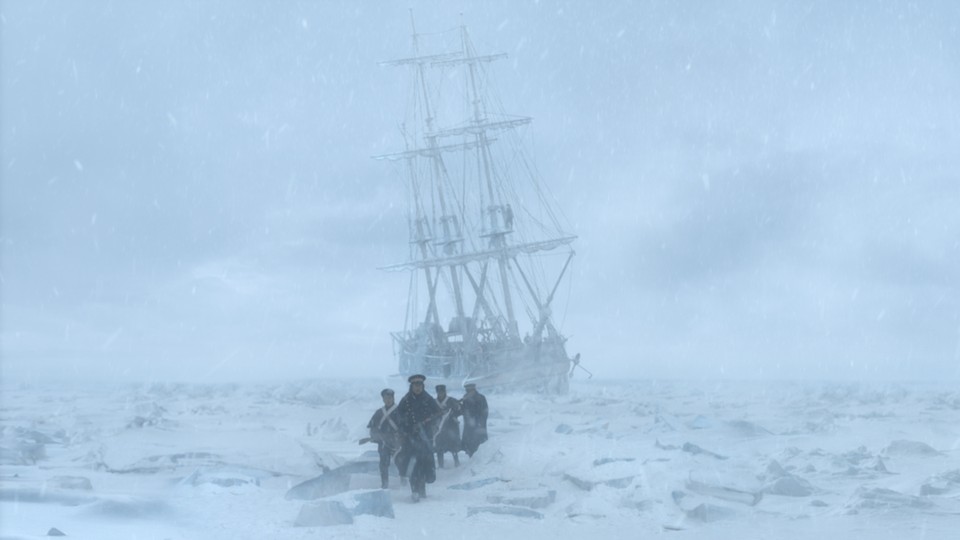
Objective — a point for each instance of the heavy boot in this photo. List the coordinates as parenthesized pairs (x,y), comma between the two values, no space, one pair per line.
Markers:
(384,481)
(417,490)
(456,459)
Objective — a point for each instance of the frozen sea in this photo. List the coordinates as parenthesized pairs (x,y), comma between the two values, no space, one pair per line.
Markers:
(614,459)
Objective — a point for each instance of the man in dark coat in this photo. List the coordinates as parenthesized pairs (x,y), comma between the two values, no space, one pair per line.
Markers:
(415,415)
(473,406)
(447,436)
(386,433)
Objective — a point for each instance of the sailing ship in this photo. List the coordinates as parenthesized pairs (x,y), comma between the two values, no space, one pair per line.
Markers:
(489,250)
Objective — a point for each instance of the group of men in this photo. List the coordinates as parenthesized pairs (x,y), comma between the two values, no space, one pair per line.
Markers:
(412,431)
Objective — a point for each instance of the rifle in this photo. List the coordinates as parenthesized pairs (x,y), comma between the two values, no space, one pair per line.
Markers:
(443,422)
(365,440)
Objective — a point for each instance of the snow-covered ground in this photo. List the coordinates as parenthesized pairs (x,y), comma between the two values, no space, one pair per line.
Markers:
(610,460)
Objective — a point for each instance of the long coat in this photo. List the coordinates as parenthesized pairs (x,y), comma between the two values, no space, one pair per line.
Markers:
(414,415)
(447,436)
(415,410)
(474,409)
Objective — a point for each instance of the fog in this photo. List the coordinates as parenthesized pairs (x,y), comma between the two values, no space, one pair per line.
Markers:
(760,189)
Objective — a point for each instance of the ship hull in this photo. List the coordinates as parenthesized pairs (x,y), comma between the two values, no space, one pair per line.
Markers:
(514,365)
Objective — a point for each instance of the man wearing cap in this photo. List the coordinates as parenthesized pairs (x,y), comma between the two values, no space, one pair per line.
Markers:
(473,405)
(386,433)
(415,415)
(447,437)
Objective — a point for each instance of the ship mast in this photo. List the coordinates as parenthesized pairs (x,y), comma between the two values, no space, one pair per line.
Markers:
(496,211)
(449,223)
(422,229)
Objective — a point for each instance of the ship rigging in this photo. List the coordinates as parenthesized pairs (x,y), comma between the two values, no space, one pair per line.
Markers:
(488,248)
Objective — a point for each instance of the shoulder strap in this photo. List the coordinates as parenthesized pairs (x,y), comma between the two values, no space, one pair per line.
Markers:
(386,416)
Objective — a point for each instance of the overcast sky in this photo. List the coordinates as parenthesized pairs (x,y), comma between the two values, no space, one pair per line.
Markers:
(760,189)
